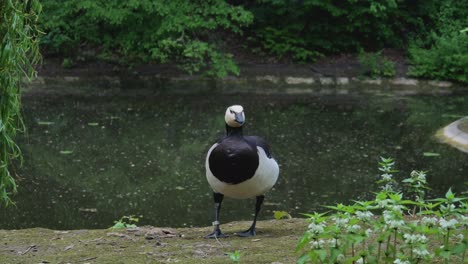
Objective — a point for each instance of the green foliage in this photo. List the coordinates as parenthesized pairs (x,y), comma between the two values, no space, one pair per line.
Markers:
(353,234)
(234,256)
(126,222)
(18,54)
(281,214)
(163,31)
(375,65)
(67,63)
(305,29)
(446,59)
(443,53)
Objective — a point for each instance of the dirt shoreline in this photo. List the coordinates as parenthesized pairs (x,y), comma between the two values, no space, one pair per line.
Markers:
(275,243)
(344,65)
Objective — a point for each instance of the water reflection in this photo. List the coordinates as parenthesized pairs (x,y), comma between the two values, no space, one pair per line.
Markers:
(91,160)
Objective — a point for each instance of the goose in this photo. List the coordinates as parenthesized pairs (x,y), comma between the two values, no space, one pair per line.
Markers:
(239,167)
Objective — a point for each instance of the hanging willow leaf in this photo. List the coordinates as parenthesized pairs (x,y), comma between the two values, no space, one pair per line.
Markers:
(19,53)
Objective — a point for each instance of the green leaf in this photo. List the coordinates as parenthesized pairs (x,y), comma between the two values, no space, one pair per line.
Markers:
(304,240)
(66,152)
(93,124)
(430,154)
(305,258)
(459,248)
(321,253)
(118,225)
(281,214)
(45,123)
(334,253)
(444,253)
(449,195)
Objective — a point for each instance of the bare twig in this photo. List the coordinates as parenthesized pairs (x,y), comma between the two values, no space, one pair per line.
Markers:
(29,249)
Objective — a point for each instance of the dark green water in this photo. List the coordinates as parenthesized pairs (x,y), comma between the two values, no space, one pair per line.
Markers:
(104,157)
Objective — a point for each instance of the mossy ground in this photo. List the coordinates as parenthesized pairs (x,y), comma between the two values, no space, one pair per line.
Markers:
(275,243)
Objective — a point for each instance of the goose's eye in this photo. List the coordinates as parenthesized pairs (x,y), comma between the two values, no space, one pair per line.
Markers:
(232,112)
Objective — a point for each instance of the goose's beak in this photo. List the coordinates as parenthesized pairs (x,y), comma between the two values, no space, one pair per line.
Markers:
(239,118)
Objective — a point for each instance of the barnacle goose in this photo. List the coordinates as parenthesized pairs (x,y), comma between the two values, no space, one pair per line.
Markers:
(240,167)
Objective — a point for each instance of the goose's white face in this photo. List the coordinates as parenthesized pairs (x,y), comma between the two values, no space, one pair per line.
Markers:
(234,116)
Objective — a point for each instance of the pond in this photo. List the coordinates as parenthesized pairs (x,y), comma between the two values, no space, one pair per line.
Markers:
(89,160)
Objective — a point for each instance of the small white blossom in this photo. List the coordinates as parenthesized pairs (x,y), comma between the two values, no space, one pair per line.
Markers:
(422,177)
(399,261)
(360,261)
(317,244)
(386,177)
(397,208)
(341,258)
(383,203)
(316,228)
(388,215)
(421,252)
(450,224)
(368,232)
(459,237)
(415,238)
(464,220)
(448,209)
(354,228)
(341,222)
(429,221)
(395,223)
(388,187)
(364,216)
(333,242)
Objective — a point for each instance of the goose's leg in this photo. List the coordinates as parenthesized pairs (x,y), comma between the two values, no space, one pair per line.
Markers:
(251,231)
(218,198)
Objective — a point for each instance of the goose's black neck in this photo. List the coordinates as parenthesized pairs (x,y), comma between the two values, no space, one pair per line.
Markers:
(233,131)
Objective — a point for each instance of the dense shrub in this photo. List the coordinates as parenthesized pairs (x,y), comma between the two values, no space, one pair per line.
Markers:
(443,54)
(375,65)
(142,30)
(192,34)
(305,29)
(447,58)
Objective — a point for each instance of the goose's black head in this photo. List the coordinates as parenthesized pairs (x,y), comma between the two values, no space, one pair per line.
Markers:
(234,116)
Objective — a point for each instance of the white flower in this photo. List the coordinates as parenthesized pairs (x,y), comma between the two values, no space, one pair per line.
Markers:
(395,223)
(364,216)
(448,209)
(360,261)
(397,208)
(354,228)
(450,224)
(388,187)
(459,237)
(464,220)
(399,261)
(333,242)
(409,238)
(421,252)
(316,228)
(383,203)
(429,221)
(317,244)
(368,232)
(422,177)
(341,258)
(388,215)
(386,177)
(415,238)
(341,222)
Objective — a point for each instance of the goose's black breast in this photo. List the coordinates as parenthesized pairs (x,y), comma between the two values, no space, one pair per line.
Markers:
(233,160)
